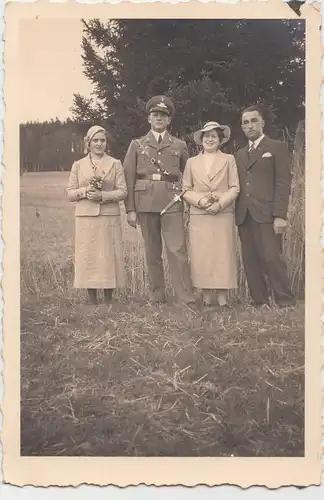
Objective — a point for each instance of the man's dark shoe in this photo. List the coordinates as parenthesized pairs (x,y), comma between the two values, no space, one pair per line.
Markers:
(260,304)
(162,300)
(287,303)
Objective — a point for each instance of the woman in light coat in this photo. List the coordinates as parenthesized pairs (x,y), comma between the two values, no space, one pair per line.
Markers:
(97,185)
(213,185)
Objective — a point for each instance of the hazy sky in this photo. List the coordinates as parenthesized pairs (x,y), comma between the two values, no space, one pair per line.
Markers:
(50,68)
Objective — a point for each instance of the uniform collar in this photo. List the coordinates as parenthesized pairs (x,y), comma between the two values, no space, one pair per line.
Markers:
(156,134)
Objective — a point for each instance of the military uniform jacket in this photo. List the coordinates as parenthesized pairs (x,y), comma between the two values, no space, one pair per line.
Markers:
(265,181)
(146,195)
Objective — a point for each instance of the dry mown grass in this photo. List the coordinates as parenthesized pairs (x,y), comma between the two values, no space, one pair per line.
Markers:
(143,380)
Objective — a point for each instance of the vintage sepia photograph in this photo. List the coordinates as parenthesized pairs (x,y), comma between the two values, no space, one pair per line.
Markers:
(162,244)
(162,237)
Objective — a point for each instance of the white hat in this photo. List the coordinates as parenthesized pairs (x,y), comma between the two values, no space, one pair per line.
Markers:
(210,126)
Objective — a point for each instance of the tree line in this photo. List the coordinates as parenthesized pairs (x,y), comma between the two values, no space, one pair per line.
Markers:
(49,145)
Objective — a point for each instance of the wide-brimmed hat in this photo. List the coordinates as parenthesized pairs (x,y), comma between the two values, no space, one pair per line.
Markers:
(160,103)
(210,126)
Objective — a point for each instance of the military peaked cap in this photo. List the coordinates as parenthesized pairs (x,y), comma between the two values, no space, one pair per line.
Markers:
(160,103)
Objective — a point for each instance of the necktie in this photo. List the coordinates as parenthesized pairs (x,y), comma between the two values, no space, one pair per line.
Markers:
(160,139)
(251,148)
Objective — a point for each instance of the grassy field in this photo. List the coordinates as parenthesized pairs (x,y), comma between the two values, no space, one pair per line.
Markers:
(142,380)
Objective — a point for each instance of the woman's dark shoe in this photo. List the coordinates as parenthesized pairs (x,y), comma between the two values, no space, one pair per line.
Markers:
(108,295)
(224,307)
(92,293)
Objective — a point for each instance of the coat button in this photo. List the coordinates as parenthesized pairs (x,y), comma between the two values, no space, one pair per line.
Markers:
(159,152)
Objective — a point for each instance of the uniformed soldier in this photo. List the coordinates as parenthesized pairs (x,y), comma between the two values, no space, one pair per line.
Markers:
(153,165)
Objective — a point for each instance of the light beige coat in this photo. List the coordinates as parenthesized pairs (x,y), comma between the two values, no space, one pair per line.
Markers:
(114,187)
(99,259)
(212,237)
(223,182)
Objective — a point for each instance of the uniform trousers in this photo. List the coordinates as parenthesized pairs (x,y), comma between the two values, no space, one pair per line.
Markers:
(169,226)
(262,256)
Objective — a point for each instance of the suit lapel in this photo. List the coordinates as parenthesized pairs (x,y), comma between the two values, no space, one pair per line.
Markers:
(257,154)
(245,157)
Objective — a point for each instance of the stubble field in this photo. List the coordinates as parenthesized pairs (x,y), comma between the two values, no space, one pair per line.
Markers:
(142,380)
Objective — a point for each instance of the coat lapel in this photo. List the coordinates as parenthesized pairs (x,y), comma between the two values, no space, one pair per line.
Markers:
(217,165)
(104,167)
(200,170)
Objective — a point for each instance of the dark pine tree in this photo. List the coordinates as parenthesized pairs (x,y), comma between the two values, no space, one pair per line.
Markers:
(211,68)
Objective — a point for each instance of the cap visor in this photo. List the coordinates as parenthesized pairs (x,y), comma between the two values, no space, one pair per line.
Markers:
(164,111)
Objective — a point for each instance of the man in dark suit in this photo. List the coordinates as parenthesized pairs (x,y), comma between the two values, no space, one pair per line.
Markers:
(153,165)
(261,210)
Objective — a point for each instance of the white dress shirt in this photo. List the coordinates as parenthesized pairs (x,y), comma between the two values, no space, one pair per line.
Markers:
(157,134)
(254,144)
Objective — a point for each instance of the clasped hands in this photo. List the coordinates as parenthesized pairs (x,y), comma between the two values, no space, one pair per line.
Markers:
(93,194)
(210,204)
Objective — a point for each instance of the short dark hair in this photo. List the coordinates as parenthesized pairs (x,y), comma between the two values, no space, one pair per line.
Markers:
(255,107)
(219,132)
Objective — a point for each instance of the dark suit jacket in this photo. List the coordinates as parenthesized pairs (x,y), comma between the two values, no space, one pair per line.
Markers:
(149,195)
(265,181)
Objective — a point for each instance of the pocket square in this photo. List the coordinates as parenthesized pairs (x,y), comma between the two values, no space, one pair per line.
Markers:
(267,155)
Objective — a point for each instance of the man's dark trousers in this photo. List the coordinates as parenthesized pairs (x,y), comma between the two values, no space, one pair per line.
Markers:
(261,251)
(264,196)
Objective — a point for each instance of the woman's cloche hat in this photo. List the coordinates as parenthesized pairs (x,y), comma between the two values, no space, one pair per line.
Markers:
(210,126)
(94,131)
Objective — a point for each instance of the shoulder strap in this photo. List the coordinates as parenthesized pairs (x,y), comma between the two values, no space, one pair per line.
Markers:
(155,162)
(152,160)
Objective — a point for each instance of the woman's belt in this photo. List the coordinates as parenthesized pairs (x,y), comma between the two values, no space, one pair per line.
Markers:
(158,177)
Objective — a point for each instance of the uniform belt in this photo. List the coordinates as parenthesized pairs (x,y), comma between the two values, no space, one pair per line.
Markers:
(158,177)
